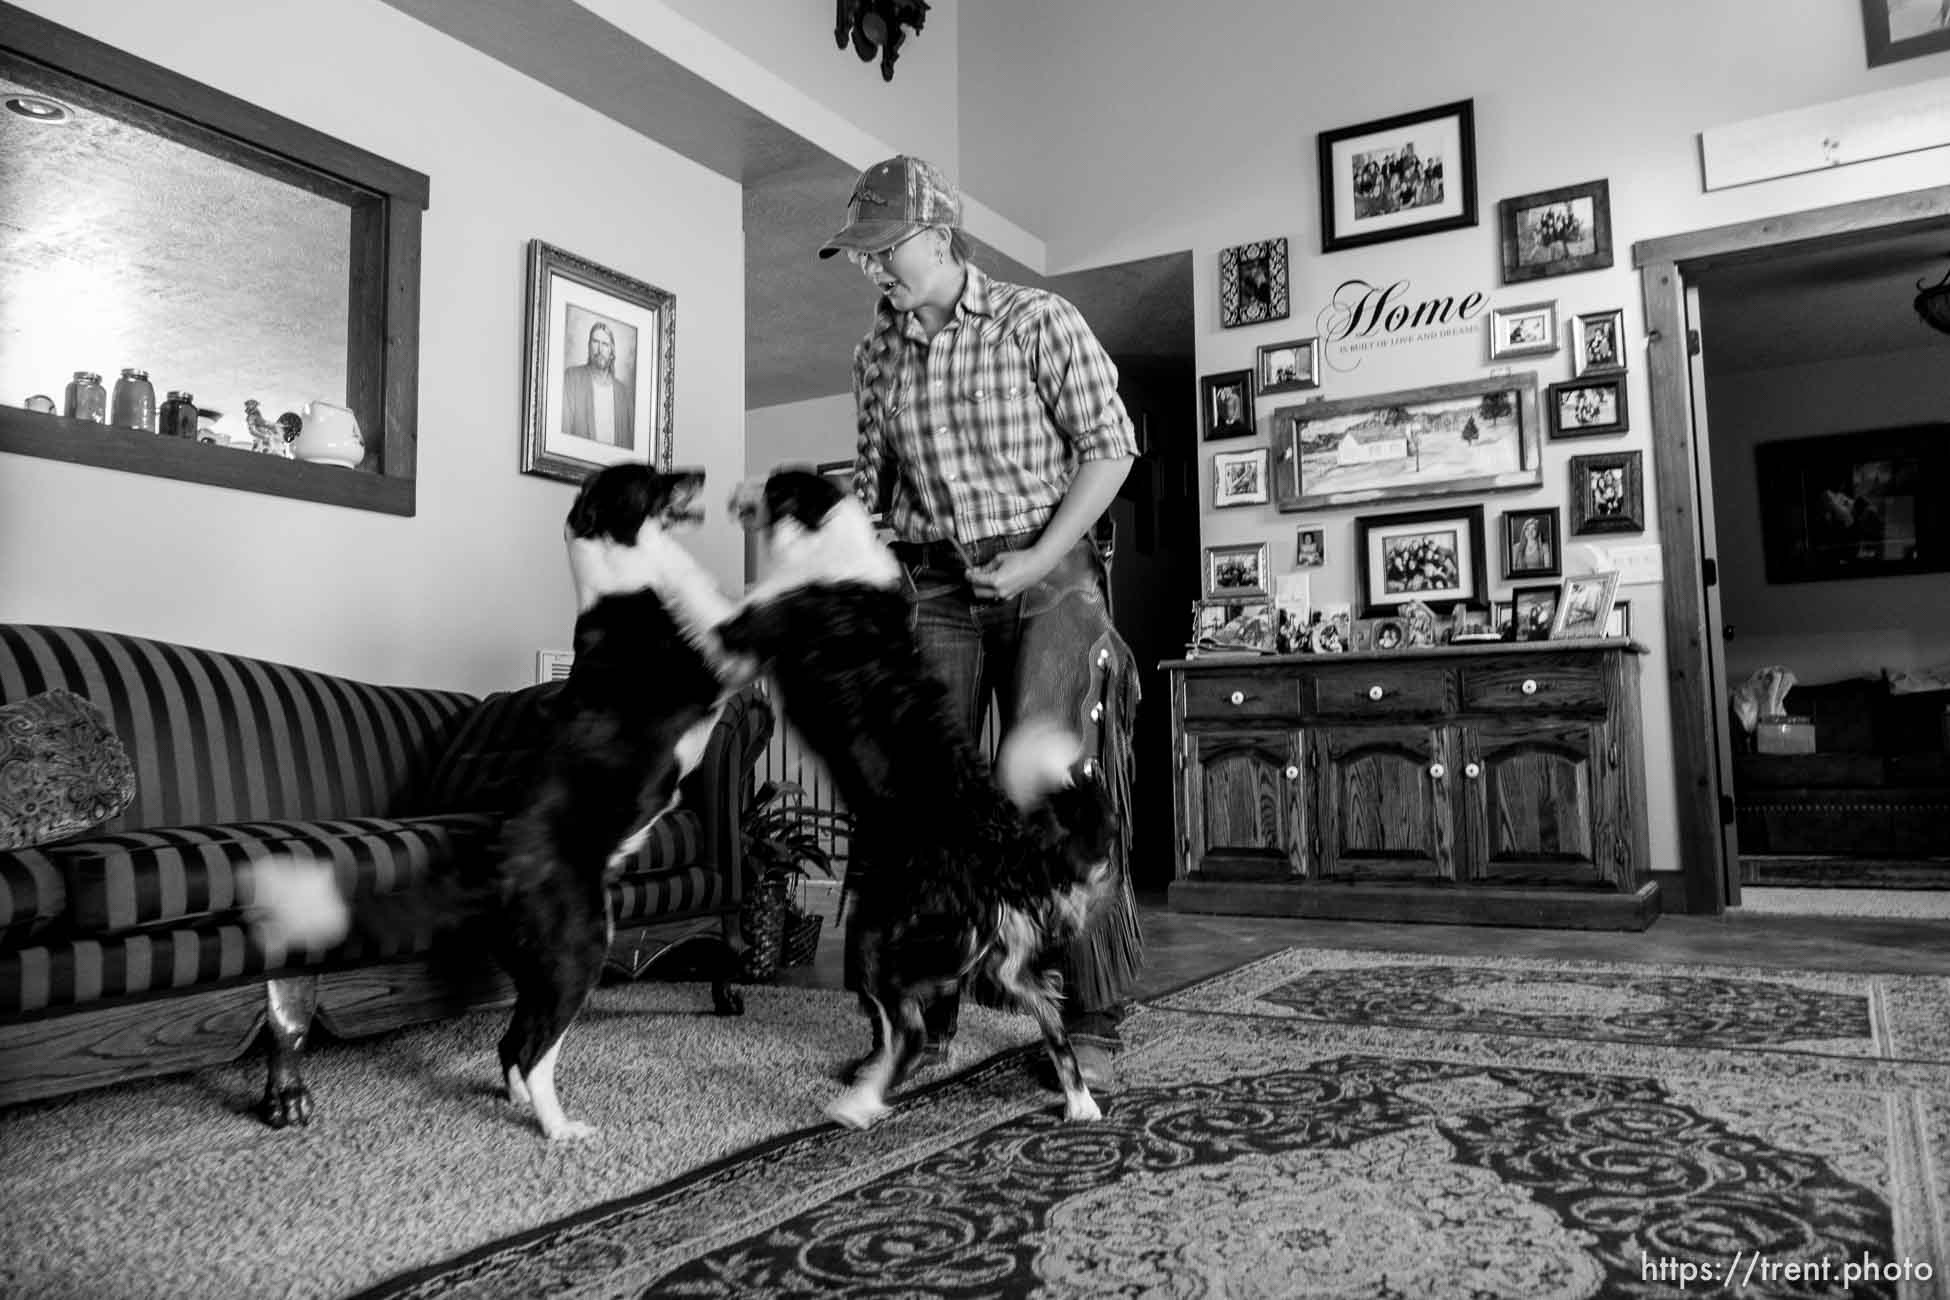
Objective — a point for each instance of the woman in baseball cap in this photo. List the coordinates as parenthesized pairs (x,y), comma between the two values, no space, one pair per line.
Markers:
(991,432)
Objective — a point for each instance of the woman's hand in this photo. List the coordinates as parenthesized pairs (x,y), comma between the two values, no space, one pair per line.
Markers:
(1011,573)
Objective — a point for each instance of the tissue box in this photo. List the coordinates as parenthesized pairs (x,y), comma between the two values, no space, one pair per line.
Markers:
(1785,734)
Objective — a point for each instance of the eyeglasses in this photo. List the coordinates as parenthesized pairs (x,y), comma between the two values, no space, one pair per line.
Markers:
(867,261)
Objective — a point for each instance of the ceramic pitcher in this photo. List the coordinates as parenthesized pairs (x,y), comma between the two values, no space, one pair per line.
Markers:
(330,436)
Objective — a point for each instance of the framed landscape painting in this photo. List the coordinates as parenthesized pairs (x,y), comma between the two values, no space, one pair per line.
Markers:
(1481,435)
(1397,177)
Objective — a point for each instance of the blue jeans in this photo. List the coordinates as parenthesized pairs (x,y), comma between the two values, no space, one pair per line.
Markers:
(1048,651)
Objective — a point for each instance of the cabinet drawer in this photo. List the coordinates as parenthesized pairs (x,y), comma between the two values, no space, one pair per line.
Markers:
(1241,695)
(1544,687)
(1383,691)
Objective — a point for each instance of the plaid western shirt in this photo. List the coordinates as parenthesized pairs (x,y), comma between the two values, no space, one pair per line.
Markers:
(981,429)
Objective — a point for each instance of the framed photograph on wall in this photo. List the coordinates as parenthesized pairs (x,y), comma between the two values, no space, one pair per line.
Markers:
(1598,342)
(1434,557)
(1526,331)
(1594,404)
(1584,606)
(1226,405)
(1894,30)
(1556,232)
(1398,177)
(1531,548)
(1239,478)
(1289,367)
(1309,548)
(1608,493)
(600,363)
(1479,435)
(1235,571)
(1252,283)
(1855,505)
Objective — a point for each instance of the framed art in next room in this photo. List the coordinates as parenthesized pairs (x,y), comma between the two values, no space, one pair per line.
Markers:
(1855,505)
(1398,177)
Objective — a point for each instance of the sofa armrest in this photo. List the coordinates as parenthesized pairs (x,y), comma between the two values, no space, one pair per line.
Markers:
(721,787)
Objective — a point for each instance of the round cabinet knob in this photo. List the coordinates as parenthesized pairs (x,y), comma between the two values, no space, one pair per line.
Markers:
(1472,770)
(1375,692)
(1292,772)
(1438,771)
(1530,686)
(1239,697)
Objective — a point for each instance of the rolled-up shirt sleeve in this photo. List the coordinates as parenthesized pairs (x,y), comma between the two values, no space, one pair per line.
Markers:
(1078,381)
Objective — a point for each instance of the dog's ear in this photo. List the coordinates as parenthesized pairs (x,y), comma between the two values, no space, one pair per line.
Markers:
(800,495)
(613,503)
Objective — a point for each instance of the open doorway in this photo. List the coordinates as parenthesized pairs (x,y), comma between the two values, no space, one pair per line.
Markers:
(1767,294)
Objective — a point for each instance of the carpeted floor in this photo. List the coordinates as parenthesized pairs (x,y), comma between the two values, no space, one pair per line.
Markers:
(1316,1123)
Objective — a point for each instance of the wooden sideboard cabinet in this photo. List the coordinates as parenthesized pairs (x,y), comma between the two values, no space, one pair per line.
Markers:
(1488,784)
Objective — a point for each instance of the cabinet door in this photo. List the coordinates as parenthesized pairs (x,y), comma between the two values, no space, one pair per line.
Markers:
(1532,791)
(1243,810)
(1384,803)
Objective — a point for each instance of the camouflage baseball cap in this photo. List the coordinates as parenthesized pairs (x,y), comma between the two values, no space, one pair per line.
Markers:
(891,201)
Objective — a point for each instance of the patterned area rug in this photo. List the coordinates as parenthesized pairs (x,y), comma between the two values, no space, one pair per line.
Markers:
(1343,1124)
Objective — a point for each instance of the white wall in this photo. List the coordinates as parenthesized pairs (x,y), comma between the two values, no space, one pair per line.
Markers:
(1823,631)
(1120,129)
(819,429)
(463,594)
(793,41)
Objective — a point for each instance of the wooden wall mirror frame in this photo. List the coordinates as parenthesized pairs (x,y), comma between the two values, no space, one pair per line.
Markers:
(384,202)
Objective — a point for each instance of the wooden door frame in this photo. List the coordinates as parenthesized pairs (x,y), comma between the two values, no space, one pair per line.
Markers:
(1665,265)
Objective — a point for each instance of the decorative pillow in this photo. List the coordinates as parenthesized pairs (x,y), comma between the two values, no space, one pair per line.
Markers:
(62,770)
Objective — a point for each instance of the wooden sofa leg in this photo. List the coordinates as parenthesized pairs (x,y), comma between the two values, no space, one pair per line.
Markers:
(290,1003)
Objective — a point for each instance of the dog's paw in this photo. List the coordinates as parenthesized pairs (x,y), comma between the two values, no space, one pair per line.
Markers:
(857,1108)
(569,1130)
(1080,1108)
(518,1090)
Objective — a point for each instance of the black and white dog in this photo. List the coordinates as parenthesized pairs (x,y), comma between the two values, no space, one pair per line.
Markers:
(647,684)
(973,872)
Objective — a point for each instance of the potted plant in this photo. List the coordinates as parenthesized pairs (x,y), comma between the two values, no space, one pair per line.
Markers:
(786,839)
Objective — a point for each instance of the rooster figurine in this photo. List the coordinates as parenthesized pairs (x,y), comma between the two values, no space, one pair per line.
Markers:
(266,437)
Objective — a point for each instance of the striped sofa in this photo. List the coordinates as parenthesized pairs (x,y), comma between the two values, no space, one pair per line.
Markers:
(123,953)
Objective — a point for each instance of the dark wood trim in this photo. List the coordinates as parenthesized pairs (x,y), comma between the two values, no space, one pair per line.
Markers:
(1554,908)
(1664,265)
(1768,237)
(131,78)
(80,442)
(384,201)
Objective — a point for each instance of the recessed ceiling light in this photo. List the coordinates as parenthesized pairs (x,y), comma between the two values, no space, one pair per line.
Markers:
(37,109)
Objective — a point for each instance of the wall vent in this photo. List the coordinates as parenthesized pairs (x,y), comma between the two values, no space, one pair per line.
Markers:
(553,665)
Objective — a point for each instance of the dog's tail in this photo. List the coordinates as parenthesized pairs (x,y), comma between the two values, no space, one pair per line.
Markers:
(295,901)
(1037,758)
